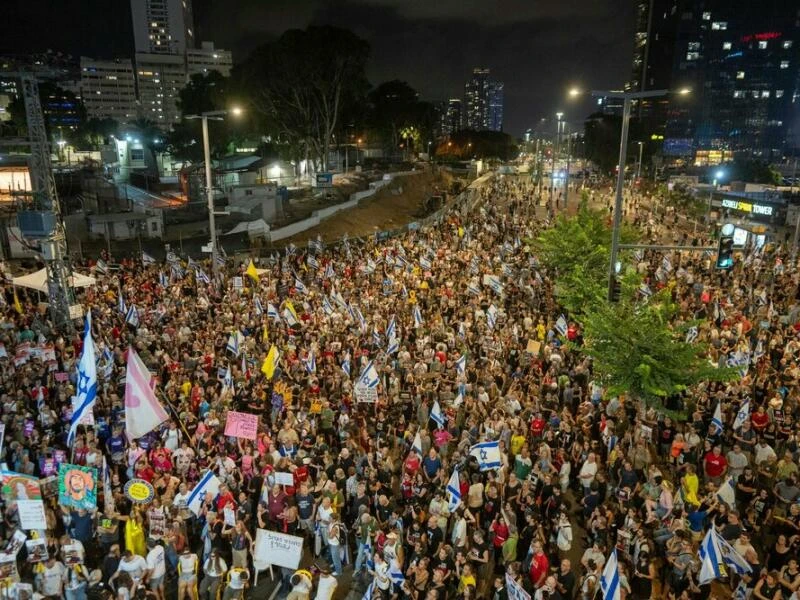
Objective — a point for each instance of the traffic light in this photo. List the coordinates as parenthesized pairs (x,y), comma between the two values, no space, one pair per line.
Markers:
(615,291)
(725,252)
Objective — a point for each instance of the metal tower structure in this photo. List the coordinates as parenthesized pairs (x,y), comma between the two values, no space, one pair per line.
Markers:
(41,218)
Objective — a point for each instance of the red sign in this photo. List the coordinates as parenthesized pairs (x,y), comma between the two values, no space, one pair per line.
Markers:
(763,36)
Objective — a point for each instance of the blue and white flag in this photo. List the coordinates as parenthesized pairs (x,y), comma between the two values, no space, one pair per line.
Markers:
(272,312)
(393,347)
(219,258)
(473,289)
(339,300)
(132,316)
(743,415)
(121,306)
(391,328)
(200,275)
(87,381)
(495,284)
(329,273)
(300,287)
(416,445)
(508,270)
(727,493)
(311,363)
(235,341)
(396,574)
(258,306)
(177,271)
(369,376)
(208,484)
(716,556)
(376,336)
(645,290)
(163,281)
(346,366)
(487,454)
(417,316)
(100,266)
(404,291)
(491,316)
(227,381)
(370,591)
(362,322)
(312,263)
(425,263)
(291,250)
(716,420)
(461,364)
(327,306)
(192,263)
(561,325)
(691,334)
(147,259)
(453,491)
(172,257)
(437,415)
(609,580)
(474,265)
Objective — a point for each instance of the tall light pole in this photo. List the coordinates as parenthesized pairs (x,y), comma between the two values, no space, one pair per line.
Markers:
(214,115)
(556,145)
(627,98)
(639,164)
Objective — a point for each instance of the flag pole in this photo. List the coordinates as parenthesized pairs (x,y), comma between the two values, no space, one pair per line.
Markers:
(177,416)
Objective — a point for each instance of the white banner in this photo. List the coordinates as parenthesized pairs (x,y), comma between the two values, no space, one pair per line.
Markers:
(278,548)
(31,514)
(365,394)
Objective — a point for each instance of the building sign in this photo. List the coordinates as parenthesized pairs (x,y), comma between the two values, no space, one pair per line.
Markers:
(748,207)
(324,180)
(762,36)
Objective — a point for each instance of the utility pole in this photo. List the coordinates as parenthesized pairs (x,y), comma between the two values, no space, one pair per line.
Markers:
(566,180)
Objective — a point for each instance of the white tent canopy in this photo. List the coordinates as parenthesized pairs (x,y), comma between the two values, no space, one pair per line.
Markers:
(38,280)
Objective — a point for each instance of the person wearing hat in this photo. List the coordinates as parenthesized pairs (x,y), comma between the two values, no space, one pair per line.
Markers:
(327,583)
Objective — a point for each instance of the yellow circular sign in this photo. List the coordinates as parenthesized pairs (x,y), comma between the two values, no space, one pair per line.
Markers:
(139,491)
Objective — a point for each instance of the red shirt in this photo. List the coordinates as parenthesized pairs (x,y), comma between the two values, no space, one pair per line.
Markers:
(759,421)
(539,567)
(224,500)
(715,465)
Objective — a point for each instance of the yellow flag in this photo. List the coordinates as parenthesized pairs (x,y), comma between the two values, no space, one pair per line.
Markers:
(270,362)
(252,271)
(17,305)
(265,334)
(290,307)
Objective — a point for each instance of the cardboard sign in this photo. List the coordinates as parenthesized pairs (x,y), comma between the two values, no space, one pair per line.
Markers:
(31,514)
(534,347)
(365,394)
(61,376)
(284,478)
(238,283)
(278,548)
(241,425)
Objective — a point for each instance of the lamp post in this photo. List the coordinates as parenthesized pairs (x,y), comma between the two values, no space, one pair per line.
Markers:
(628,98)
(639,164)
(214,115)
(556,144)
(717,177)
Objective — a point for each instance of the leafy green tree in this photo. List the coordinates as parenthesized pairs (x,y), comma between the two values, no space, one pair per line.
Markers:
(93,133)
(636,351)
(302,84)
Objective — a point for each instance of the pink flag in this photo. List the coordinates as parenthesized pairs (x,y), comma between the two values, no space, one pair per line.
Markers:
(143,412)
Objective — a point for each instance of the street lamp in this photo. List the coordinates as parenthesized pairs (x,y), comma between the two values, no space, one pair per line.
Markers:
(639,164)
(214,115)
(628,98)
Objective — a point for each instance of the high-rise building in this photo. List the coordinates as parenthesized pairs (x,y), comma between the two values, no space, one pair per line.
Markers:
(108,89)
(483,102)
(451,117)
(741,60)
(160,78)
(207,58)
(162,26)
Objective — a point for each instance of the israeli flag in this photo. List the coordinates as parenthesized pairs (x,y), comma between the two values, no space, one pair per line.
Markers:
(416,445)
(122,307)
(461,365)
(453,491)
(220,258)
(101,267)
(404,291)
(376,336)
(132,316)
(561,325)
(370,268)
(326,306)
(172,257)
(473,289)
(200,275)
(371,589)
(487,455)
(234,341)
(666,264)
(396,574)
(291,250)
(491,316)
(339,299)
(192,264)
(259,306)
(391,328)
(272,312)
(362,322)
(727,494)
(312,262)
(147,259)
(508,271)
(329,273)
(87,381)
(227,381)
(311,363)
(714,559)
(609,580)
(494,283)
(162,279)
(691,334)
(716,420)
(346,366)
(417,316)
(394,346)
(178,271)
(369,553)
(300,287)
(369,376)
(474,265)
(208,484)
(425,263)
(645,290)
(743,415)
(437,415)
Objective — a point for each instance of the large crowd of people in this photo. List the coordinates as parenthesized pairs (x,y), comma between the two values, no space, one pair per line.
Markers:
(459,360)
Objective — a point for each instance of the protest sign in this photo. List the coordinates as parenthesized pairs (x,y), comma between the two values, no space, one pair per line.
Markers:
(2,436)
(284,478)
(278,548)
(37,550)
(229,516)
(61,376)
(365,394)
(158,524)
(533,347)
(31,514)
(139,491)
(17,486)
(77,486)
(241,425)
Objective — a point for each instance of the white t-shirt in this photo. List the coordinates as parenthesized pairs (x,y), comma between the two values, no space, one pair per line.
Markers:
(326,586)
(52,579)
(588,469)
(187,563)
(135,567)
(156,563)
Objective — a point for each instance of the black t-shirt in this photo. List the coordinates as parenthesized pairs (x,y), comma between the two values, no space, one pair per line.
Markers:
(568,581)
(435,538)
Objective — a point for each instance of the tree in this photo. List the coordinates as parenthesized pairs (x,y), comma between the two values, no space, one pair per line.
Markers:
(93,133)
(303,82)
(467,144)
(397,116)
(636,351)
(751,171)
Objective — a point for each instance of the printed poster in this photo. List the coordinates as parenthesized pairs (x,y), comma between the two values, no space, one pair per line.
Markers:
(77,486)
(241,425)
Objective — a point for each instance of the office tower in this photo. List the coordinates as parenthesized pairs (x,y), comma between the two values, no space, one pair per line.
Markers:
(162,26)
(451,117)
(483,102)
(108,89)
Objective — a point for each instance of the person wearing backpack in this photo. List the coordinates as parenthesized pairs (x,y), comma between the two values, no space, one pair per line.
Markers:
(563,535)
(589,582)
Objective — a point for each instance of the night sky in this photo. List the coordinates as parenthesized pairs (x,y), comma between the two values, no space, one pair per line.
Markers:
(538,48)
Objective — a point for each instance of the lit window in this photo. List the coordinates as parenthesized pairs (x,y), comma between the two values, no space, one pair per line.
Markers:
(765,94)
(739,74)
(779,93)
(693,46)
(787,44)
(706,16)
(692,55)
(762,45)
(738,94)
(784,64)
(719,25)
(756,95)
(726,45)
